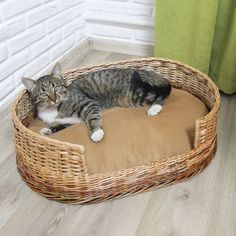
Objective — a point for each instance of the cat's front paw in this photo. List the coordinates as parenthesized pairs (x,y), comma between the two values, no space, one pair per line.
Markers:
(45,131)
(97,136)
(154,110)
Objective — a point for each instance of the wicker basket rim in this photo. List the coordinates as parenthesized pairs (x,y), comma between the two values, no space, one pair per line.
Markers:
(81,148)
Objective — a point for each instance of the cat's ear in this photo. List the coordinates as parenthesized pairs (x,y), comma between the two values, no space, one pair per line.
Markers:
(56,71)
(28,83)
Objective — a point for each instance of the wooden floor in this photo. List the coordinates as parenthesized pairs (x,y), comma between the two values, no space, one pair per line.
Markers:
(204,205)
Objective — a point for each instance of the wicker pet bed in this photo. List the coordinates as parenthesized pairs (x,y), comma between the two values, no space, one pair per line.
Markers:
(58,170)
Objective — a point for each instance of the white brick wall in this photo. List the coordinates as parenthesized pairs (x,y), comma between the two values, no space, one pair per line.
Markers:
(34,34)
(3,52)
(11,27)
(41,13)
(130,20)
(13,7)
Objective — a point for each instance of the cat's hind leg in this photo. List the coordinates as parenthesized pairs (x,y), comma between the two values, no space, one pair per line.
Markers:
(155,108)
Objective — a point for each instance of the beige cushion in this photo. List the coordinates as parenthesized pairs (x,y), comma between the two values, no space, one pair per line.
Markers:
(132,138)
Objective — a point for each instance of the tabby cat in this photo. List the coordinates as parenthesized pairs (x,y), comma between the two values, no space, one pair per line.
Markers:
(60,105)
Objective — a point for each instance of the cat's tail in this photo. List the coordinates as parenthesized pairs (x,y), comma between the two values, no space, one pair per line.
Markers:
(152,81)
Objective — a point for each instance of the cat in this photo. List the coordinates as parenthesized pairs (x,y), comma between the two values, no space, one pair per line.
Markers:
(60,105)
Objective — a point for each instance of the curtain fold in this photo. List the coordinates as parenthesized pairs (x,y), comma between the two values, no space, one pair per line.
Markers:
(201,33)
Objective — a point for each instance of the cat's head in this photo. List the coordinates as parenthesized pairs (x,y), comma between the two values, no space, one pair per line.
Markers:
(48,90)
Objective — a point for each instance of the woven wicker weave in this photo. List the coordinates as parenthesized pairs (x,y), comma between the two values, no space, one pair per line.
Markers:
(58,170)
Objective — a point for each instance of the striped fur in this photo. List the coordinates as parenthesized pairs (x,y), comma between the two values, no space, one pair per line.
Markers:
(88,95)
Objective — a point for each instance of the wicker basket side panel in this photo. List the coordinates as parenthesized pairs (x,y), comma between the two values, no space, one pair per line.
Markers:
(144,178)
(25,110)
(152,176)
(48,158)
(101,187)
(205,130)
(40,158)
(202,87)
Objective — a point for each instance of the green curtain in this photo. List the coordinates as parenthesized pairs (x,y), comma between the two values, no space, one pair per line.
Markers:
(201,33)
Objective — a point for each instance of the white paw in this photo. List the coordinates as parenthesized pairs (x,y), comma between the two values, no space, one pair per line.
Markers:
(45,131)
(97,135)
(154,110)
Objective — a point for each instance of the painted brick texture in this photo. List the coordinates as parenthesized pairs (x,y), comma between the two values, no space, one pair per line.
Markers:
(123,19)
(34,34)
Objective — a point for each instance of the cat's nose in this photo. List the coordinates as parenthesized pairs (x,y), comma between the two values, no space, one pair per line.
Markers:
(53,97)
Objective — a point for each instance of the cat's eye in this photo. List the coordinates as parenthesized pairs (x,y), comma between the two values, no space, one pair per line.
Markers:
(43,94)
(56,88)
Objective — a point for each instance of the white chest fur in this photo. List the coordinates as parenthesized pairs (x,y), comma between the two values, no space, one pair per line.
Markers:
(50,115)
